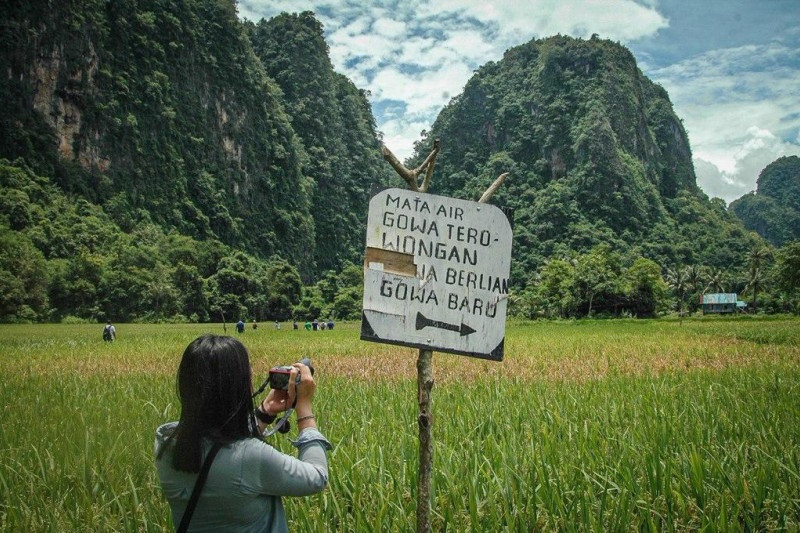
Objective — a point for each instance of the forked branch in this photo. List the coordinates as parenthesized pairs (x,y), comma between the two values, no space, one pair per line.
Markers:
(410,176)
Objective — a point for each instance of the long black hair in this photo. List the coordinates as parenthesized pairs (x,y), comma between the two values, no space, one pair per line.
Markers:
(215,387)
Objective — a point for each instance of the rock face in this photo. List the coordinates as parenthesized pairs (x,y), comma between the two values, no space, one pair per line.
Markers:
(594,148)
(58,97)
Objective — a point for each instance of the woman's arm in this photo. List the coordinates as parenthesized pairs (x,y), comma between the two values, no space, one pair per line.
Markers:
(284,475)
(268,471)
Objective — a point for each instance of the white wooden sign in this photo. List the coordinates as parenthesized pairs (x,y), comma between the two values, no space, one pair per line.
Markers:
(436,273)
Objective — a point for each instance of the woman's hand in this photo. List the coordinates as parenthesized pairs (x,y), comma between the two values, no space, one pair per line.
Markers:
(277,401)
(303,392)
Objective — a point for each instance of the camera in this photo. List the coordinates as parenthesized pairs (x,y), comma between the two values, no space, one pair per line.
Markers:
(279,375)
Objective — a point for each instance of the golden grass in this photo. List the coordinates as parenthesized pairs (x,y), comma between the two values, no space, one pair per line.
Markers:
(548,351)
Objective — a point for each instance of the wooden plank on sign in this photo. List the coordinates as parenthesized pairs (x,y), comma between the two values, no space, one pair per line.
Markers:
(390,261)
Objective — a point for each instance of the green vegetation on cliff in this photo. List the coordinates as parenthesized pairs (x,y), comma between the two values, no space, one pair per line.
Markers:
(158,120)
(596,155)
(159,112)
(67,258)
(334,121)
(773,211)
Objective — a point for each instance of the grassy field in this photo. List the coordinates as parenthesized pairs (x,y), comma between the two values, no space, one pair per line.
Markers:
(591,425)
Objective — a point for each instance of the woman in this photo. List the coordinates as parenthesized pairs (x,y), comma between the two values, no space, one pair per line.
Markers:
(247,477)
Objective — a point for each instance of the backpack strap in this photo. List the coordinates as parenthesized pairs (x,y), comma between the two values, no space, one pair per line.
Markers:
(198,488)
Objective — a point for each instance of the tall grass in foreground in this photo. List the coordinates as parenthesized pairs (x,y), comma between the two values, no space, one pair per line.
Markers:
(595,425)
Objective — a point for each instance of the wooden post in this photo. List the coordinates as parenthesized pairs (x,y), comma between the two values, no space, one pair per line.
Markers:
(425,357)
(425,423)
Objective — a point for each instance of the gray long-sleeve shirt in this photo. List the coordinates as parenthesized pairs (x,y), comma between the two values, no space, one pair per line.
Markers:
(245,483)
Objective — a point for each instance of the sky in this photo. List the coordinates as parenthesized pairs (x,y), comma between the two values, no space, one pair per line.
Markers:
(731,67)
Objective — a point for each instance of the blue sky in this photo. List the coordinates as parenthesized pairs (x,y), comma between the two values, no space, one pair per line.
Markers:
(732,68)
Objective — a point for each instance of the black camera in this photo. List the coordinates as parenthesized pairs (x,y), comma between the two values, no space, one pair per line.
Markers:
(279,375)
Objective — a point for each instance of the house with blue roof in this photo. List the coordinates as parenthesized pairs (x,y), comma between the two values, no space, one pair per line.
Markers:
(722,303)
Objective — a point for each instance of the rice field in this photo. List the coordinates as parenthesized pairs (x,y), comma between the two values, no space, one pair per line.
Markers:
(590,425)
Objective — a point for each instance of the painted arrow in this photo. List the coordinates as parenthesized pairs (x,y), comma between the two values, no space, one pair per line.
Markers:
(424,322)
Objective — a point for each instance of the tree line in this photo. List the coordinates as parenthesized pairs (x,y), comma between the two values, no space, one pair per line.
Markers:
(604,283)
(64,259)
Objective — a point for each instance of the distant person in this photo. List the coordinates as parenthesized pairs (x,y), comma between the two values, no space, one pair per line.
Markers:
(322,325)
(109,332)
(277,325)
(240,326)
(315,325)
(307,326)
(294,324)
(255,324)
(330,324)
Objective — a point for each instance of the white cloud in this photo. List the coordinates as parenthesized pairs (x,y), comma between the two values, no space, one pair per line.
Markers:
(421,51)
(717,183)
(470,45)
(756,150)
(389,28)
(396,137)
(372,46)
(520,21)
(425,92)
(734,105)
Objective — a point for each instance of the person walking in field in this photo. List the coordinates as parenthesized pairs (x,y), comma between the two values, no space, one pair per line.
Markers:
(215,456)
(240,326)
(109,332)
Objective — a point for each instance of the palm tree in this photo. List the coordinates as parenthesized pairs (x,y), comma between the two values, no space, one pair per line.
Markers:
(754,281)
(677,280)
(695,277)
(756,278)
(756,255)
(716,280)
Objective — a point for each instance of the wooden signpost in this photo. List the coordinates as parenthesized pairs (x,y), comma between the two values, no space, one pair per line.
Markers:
(436,275)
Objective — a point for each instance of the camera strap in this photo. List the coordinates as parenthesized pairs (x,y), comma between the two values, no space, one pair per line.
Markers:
(279,424)
(198,488)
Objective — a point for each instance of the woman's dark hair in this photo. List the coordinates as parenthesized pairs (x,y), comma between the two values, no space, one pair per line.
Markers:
(215,387)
